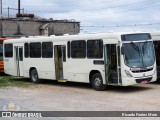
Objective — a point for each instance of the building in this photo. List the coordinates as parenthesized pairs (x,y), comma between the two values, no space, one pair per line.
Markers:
(25,26)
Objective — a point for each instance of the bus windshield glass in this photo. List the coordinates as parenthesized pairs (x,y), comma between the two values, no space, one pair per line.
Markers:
(139,55)
(1,52)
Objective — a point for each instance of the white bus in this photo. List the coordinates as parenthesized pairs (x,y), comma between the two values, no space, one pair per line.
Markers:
(100,59)
(156,40)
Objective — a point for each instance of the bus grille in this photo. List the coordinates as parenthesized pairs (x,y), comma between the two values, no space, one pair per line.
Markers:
(142,70)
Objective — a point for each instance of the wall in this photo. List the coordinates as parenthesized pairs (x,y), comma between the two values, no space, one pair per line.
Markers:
(17,28)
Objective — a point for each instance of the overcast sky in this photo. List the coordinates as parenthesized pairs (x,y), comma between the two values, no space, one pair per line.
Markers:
(96,15)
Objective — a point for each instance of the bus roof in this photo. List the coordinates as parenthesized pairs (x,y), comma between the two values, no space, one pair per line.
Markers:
(155,35)
(113,37)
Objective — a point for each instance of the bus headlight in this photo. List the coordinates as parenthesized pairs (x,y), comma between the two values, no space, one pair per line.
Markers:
(128,73)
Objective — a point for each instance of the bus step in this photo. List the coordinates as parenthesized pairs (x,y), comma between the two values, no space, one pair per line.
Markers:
(62,80)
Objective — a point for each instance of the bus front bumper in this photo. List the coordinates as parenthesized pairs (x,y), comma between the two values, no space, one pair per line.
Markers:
(131,80)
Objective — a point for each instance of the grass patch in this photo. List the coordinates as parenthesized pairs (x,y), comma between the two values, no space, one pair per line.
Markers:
(6,81)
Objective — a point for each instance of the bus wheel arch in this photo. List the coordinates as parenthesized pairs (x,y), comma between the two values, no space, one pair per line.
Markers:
(34,75)
(96,80)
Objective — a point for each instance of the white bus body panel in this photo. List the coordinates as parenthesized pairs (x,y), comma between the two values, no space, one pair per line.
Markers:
(11,64)
(46,67)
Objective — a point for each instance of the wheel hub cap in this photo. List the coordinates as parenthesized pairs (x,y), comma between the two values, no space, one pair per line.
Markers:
(98,82)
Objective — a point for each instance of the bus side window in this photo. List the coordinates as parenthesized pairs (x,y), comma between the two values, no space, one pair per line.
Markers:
(64,53)
(78,49)
(113,57)
(26,50)
(95,48)
(8,50)
(35,50)
(68,49)
(108,54)
(47,50)
(21,54)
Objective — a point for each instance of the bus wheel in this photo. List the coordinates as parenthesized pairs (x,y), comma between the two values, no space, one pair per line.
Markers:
(34,76)
(97,82)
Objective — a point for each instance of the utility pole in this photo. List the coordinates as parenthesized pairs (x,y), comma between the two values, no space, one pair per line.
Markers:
(1,31)
(1,7)
(19,7)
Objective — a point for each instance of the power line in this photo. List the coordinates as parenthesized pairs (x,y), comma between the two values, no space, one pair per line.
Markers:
(104,26)
(149,26)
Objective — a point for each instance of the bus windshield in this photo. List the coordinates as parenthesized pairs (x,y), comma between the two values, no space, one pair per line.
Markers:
(1,52)
(139,55)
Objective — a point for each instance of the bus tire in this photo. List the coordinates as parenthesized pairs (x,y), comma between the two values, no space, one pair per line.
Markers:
(34,76)
(97,82)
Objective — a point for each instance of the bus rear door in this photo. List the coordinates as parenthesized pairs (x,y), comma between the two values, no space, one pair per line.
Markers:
(59,57)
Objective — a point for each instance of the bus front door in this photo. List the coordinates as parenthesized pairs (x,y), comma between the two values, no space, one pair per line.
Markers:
(112,61)
(59,57)
(19,60)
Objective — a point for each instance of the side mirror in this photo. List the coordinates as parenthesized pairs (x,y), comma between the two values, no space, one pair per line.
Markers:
(122,50)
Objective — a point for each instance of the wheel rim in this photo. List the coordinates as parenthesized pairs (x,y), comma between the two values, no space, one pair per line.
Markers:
(98,82)
(34,75)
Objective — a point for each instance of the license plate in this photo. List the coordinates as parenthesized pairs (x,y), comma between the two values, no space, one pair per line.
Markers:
(145,81)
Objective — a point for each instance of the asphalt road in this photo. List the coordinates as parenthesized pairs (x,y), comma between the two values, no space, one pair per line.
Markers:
(53,96)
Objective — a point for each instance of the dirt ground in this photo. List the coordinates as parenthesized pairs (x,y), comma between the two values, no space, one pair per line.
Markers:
(53,96)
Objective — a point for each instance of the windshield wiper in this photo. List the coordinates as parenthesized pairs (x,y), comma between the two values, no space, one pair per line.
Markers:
(135,47)
(144,46)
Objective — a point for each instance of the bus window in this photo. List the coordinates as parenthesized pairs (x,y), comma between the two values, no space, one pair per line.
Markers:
(8,50)
(35,50)
(113,57)
(78,49)
(21,54)
(26,49)
(69,49)
(64,53)
(47,50)
(95,49)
